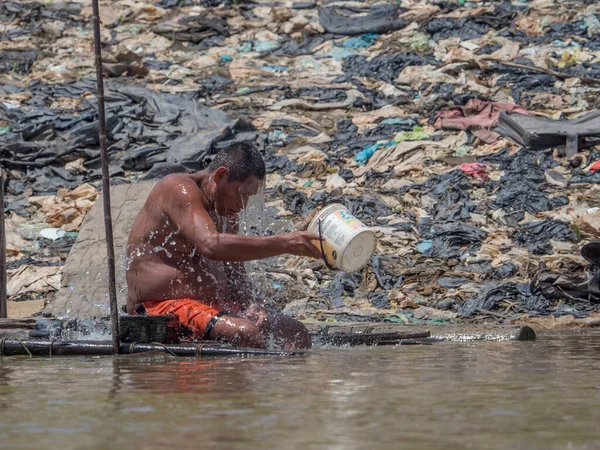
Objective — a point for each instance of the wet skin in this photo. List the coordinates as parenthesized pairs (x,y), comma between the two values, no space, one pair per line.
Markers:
(184,244)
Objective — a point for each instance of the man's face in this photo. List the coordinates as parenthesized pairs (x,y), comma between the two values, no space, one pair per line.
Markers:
(232,197)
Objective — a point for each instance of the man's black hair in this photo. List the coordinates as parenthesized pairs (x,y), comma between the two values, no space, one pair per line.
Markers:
(242,160)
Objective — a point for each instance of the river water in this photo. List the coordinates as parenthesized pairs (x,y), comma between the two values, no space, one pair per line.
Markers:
(529,395)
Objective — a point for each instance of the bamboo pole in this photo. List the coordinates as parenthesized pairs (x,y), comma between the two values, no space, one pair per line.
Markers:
(33,347)
(3,276)
(110,248)
(356,339)
(16,324)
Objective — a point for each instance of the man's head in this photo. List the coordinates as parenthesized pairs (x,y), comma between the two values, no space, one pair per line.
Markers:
(236,173)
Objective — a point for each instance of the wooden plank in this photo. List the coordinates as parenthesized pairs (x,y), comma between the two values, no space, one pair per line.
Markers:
(84,285)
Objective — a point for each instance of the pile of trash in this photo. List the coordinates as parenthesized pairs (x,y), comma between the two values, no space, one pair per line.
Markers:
(465,133)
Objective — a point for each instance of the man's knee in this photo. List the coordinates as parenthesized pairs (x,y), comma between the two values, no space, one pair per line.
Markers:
(301,336)
(293,331)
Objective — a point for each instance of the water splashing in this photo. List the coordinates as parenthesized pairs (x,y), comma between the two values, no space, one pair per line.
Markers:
(252,219)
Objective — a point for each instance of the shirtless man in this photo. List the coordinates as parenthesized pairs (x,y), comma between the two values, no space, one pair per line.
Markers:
(186,258)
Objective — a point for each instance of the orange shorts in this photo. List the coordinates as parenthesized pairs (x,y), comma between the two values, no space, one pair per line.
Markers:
(198,317)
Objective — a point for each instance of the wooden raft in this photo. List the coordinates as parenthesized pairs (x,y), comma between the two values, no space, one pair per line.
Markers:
(165,330)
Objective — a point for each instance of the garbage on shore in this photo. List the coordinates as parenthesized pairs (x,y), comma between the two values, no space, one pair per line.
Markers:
(392,110)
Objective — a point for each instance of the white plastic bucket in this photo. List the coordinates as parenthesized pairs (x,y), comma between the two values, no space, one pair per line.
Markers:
(348,243)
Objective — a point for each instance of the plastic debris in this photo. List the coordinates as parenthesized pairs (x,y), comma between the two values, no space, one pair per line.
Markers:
(417,134)
(398,110)
(364,156)
(52,233)
(378,18)
(475,114)
(425,247)
(360,42)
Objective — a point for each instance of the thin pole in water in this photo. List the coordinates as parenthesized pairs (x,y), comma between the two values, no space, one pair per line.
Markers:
(3,276)
(110,248)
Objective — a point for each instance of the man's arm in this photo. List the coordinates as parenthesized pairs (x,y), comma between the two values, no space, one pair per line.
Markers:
(182,204)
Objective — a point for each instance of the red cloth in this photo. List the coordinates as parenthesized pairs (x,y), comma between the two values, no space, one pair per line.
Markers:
(595,167)
(192,314)
(475,170)
(477,114)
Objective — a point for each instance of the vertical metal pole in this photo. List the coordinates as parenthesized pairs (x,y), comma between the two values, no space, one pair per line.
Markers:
(110,248)
(3,276)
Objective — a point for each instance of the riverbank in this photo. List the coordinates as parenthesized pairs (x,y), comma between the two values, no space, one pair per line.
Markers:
(390,122)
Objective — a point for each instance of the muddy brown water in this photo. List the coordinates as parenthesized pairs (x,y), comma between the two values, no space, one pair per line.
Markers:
(530,395)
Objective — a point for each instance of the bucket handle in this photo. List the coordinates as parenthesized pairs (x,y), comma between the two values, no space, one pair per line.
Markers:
(322,249)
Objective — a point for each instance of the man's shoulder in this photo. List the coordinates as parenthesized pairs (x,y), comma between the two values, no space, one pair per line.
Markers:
(174,184)
(176,189)
(174,179)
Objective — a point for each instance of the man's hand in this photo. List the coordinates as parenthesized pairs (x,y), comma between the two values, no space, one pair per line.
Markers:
(302,243)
